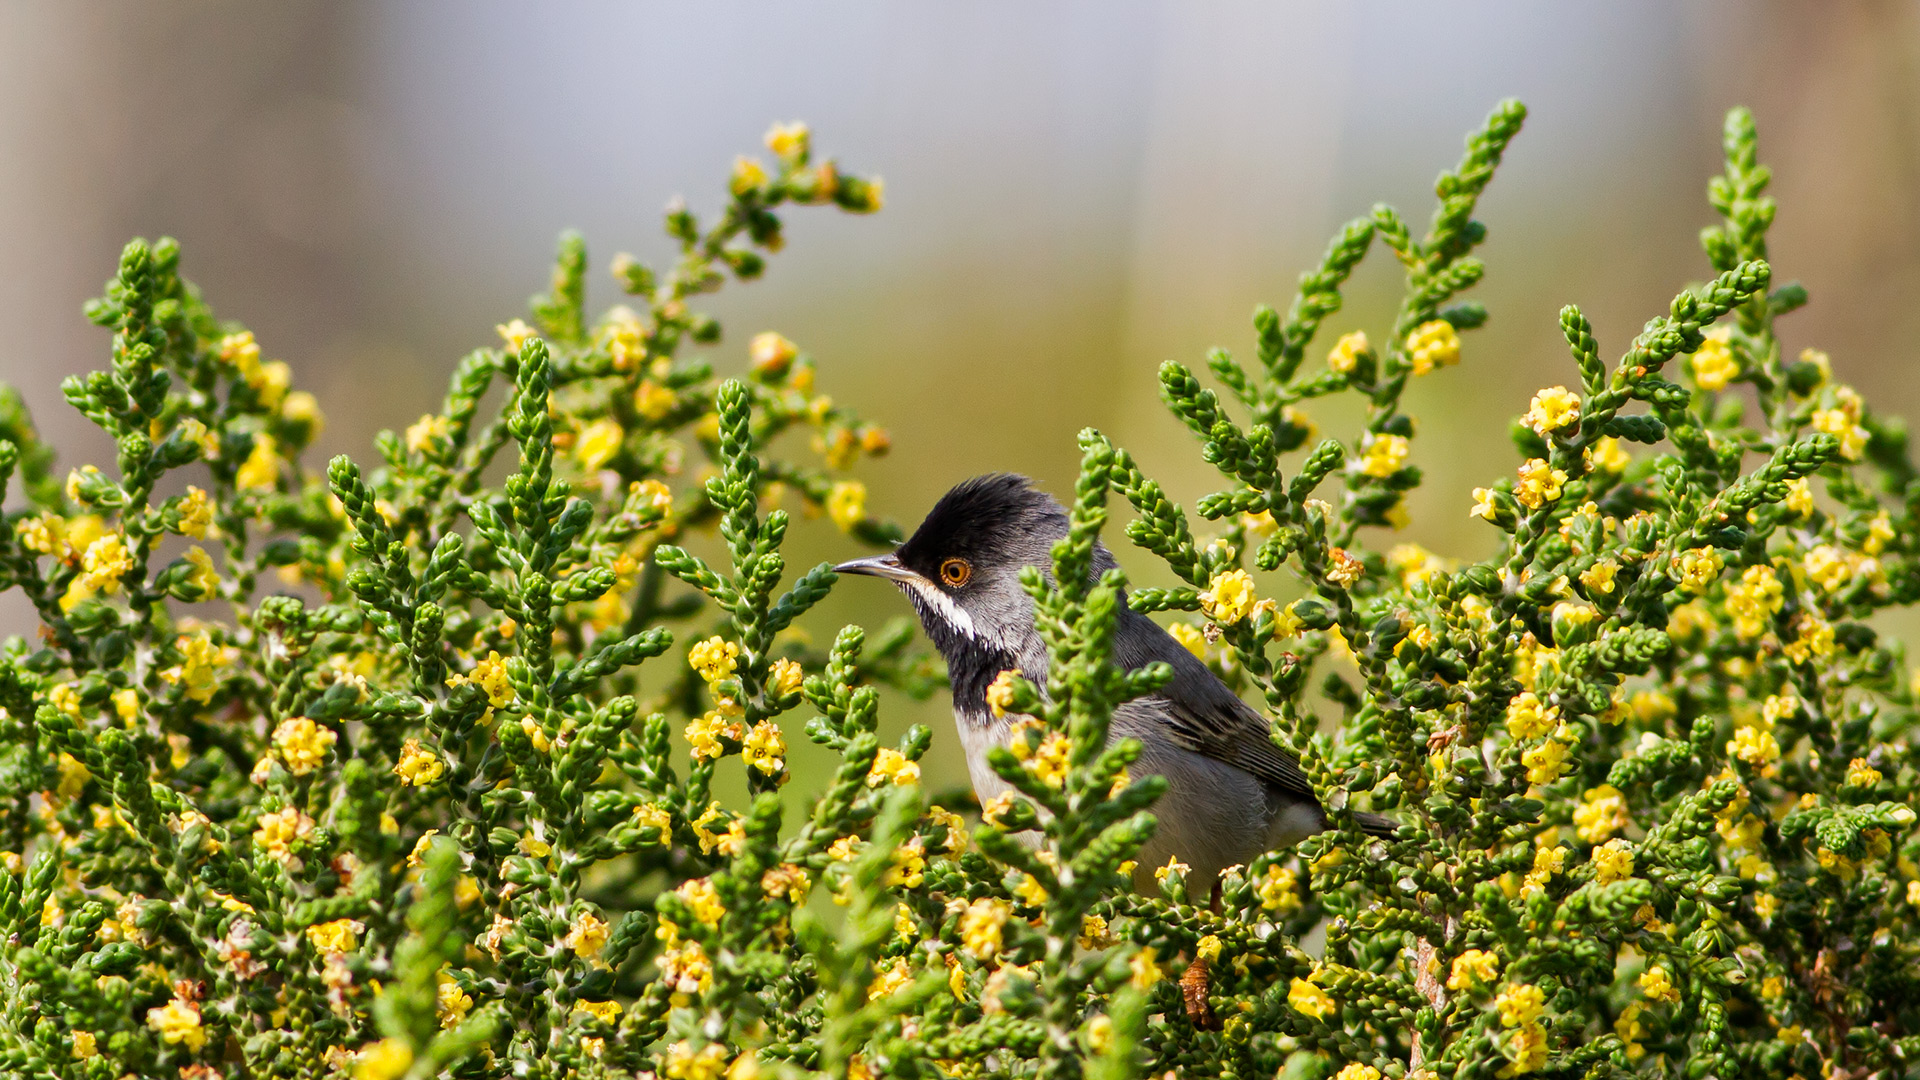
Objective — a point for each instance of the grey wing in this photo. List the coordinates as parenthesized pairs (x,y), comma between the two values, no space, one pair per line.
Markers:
(1200,713)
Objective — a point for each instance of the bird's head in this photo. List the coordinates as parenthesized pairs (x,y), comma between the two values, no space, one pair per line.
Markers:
(961,568)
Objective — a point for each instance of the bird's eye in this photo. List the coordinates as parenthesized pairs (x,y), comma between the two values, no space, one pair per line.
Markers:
(955,572)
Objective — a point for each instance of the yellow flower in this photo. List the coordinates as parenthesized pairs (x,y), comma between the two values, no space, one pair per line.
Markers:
(1839,424)
(748,176)
(1347,352)
(489,675)
(587,935)
(891,979)
(1520,1003)
(715,658)
(1827,567)
(1754,746)
(196,514)
(785,677)
(1433,344)
(1799,498)
(338,936)
(1600,814)
(84,1045)
(1229,597)
(515,334)
(1658,985)
(1484,505)
(653,401)
(607,1012)
(1698,568)
(1598,578)
(1146,971)
(178,1021)
(1343,568)
(771,354)
(999,693)
(1308,1000)
(1383,455)
(891,766)
(1754,600)
(1546,762)
(1861,774)
(1190,638)
(787,881)
(204,580)
(1094,933)
(1528,718)
(701,896)
(980,926)
(1552,409)
(276,832)
(765,748)
(705,732)
(909,864)
(1174,866)
(1539,484)
(598,442)
(452,1003)
(1030,891)
(1607,455)
(1612,861)
(73,777)
(1879,533)
(428,433)
(847,504)
(1713,364)
(1473,968)
(787,140)
(1529,1044)
(1356,1071)
(1278,891)
(303,744)
(262,467)
(418,766)
(1050,761)
(105,562)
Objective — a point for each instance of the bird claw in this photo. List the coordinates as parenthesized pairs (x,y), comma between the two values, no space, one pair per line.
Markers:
(1195,982)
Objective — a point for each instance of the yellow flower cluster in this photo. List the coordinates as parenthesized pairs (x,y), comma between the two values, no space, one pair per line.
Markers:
(1713,365)
(1191,638)
(1612,861)
(1279,890)
(980,927)
(1432,345)
(1607,455)
(104,563)
(1347,352)
(1546,762)
(1754,600)
(1658,985)
(1538,484)
(1343,567)
(586,935)
(178,1021)
(1000,692)
(338,936)
(418,766)
(847,504)
(765,749)
(489,675)
(1383,455)
(1698,567)
(1309,1000)
(303,744)
(1842,425)
(890,766)
(276,832)
(1229,597)
(598,442)
(705,732)
(1601,813)
(715,658)
(1552,409)
(1473,968)
(1529,718)
(785,677)
(787,881)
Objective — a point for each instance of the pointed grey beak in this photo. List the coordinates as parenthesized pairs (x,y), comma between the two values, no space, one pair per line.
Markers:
(880,566)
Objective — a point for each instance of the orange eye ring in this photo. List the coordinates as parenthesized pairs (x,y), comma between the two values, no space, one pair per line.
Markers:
(955,572)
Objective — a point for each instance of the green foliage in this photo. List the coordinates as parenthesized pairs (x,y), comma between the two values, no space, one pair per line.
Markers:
(413,773)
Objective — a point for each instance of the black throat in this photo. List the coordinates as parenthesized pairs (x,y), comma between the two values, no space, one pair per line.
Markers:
(972,664)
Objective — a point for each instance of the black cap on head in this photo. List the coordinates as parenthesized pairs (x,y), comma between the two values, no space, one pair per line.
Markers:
(989,520)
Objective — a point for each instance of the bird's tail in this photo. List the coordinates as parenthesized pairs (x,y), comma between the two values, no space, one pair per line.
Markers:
(1375,824)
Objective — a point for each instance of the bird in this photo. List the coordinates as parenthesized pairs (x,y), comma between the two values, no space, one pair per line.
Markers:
(1231,793)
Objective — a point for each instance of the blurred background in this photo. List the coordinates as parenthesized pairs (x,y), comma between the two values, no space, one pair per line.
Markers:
(1075,192)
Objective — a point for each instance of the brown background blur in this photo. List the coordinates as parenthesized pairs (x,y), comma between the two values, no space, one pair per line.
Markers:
(1075,192)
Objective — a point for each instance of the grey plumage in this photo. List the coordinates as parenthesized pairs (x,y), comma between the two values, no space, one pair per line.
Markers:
(1231,792)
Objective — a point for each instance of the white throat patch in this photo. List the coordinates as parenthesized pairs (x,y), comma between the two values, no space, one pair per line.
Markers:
(941,604)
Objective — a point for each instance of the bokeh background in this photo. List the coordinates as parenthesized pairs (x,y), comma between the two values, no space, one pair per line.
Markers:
(1075,192)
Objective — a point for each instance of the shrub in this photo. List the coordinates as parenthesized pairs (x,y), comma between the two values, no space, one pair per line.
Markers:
(395,800)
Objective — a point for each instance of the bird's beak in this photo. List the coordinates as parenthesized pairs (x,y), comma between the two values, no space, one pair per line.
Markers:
(880,566)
